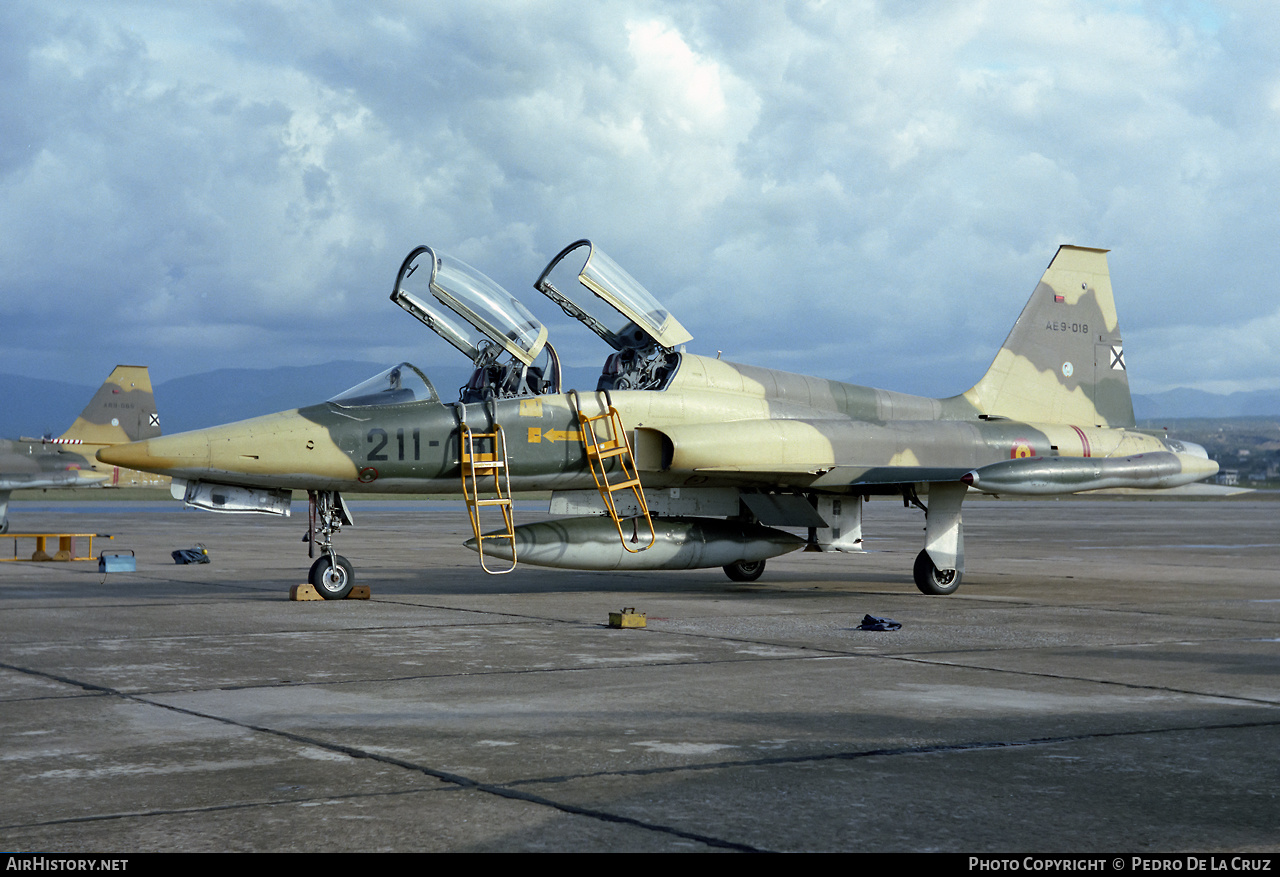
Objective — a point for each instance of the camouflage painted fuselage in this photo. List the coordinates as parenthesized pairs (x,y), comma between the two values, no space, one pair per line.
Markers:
(1058,388)
(1052,415)
(715,424)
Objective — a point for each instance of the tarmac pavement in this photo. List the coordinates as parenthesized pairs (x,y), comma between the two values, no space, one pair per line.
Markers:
(1107,679)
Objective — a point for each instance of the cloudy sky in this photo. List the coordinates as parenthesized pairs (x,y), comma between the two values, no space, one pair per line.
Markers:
(862,190)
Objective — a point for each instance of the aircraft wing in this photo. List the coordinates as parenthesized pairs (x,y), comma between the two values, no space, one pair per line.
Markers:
(1165,472)
(68,478)
(834,477)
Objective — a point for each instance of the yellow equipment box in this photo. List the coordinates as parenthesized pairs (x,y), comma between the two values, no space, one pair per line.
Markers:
(627,618)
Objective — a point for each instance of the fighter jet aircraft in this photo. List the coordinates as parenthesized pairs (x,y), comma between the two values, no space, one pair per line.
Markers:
(675,460)
(123,410)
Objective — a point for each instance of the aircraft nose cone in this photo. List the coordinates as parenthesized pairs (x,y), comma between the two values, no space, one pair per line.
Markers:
(159,454)
(134,455)
(275,450)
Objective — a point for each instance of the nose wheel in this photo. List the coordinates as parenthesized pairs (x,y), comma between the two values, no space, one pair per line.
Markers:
(332,576)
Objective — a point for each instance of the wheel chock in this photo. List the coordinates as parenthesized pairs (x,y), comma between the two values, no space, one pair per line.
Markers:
(626,618)
(307,591)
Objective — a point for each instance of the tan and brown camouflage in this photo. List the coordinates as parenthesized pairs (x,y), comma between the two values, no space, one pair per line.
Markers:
(756,447)
(122,410)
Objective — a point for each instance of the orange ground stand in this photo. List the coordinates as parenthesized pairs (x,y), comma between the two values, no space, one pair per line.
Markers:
(66,545)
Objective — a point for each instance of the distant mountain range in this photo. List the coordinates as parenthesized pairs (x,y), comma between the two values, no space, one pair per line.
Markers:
(1183,403)
(34,407)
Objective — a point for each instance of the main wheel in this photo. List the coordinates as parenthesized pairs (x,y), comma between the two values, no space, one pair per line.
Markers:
(745,570)
(933,581)
(332,579)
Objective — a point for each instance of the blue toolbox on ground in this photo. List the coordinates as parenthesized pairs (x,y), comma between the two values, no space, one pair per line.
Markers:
(117,562)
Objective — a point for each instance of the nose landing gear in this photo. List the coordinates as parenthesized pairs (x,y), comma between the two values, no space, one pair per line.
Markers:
(332,574)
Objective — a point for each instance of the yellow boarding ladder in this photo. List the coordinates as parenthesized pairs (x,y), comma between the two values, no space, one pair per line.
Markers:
(600,451)
(476,464)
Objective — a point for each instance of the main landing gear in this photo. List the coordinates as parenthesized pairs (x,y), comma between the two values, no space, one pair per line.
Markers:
(940,565)
(933,581)
(332,574)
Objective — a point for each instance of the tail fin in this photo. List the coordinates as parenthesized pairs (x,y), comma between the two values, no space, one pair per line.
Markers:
(123,410)
(1064,360)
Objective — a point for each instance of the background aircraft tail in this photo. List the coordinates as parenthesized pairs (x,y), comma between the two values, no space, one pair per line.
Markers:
(1064,360)
(123,410)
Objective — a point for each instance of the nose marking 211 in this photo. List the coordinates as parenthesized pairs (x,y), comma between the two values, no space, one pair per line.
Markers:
(382,438)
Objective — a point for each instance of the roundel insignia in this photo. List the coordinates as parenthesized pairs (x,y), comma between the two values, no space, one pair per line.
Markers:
(1067,369)
(367,474)
(1020,450)
(115,421)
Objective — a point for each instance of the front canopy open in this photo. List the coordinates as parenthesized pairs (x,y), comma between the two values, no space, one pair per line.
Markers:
(609,301)
(479,317)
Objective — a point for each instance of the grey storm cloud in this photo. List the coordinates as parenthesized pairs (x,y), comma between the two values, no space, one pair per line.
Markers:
(866,191)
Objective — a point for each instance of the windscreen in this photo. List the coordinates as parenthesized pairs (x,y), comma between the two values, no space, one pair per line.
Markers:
(398,385)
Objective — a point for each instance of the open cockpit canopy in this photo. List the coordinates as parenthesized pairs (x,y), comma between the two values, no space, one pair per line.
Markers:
(398,385)
(598,292)
(480,318)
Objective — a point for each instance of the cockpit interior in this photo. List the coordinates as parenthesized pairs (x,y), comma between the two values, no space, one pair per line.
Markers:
(508,346)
